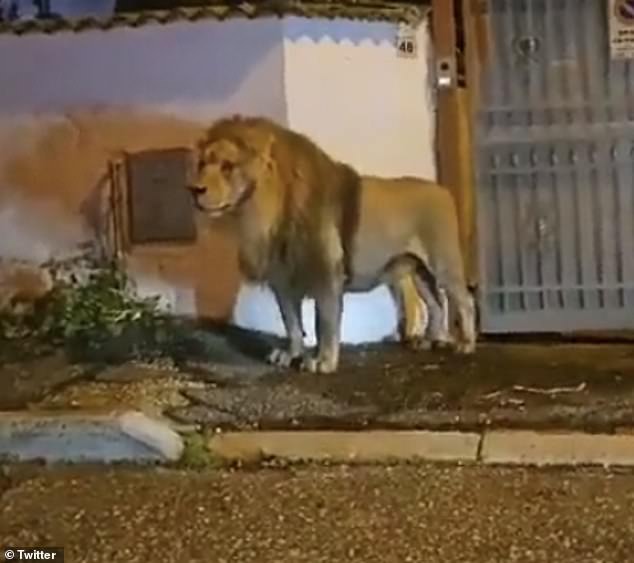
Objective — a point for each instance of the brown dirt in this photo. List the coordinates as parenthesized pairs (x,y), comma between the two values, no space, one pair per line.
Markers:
(27,380)
(561,385)
(394,378)
(589,386)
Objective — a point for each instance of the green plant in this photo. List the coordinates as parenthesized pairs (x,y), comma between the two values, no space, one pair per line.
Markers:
(196,454)
(94,311)
(102,309)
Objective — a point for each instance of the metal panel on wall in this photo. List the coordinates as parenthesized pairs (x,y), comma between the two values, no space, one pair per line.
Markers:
(160,208)
(555,171)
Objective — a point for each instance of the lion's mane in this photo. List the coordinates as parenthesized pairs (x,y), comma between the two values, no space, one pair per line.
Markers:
(307,187)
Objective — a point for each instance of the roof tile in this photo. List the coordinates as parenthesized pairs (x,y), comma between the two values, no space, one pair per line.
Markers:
(372,10)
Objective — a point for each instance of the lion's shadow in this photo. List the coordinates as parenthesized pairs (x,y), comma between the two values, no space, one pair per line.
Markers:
(239,344)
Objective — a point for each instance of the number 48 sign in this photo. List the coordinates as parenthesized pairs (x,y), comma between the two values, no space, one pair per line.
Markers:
(406,43)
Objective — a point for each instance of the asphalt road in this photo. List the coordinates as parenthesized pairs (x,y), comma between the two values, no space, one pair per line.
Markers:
(394,514)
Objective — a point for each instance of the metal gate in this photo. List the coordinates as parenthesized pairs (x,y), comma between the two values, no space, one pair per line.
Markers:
(555,171)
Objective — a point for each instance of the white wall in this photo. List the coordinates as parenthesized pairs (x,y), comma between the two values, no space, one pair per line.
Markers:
(348,90)
(199,69)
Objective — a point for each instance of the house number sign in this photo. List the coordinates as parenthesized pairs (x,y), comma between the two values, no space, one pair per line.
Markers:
(406,45)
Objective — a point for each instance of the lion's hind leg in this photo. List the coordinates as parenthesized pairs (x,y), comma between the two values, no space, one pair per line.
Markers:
(411,268)
(410,310)
(437,334)
(464,305)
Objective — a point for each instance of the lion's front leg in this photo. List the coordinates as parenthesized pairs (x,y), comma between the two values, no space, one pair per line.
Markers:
(290,306)
(328,312)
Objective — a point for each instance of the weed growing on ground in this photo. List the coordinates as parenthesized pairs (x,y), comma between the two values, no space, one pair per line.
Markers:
(95,313)
(196,455)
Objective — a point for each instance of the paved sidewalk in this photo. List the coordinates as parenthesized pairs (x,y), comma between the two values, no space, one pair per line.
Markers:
(399,514)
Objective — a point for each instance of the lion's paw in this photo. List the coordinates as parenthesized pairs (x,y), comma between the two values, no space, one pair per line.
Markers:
(318,365)
(417,343)
(424,343)
(465,348)
(281,358)
(443,343)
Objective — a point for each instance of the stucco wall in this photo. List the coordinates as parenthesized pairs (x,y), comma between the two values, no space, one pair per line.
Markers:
(348,90)
(70,101)
(192,69)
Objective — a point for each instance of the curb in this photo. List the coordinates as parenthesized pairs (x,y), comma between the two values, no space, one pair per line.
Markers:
(497,447)
(128,435)
(87,436)
(342,446)
(521,447)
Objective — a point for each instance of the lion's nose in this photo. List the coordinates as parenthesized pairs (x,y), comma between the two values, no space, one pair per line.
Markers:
(197,190)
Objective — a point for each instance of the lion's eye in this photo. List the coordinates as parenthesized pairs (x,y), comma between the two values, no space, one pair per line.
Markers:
(226,167)
(210,157)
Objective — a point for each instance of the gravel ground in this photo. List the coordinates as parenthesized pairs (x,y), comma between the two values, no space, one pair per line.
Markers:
(558,385)
(576,386)
(366,514)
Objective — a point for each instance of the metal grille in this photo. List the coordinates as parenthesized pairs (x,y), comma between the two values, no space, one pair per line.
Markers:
(555,162)
(160,209)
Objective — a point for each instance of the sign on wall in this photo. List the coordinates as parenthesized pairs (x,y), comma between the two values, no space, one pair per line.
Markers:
(621,24)
(159,207)
(406,45)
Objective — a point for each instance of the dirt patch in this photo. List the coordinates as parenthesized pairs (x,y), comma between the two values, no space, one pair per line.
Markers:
(146,389)
(24,381)
(14,475)
(5,481)
(526,385)
(396,379)
(503,385)
(33,373)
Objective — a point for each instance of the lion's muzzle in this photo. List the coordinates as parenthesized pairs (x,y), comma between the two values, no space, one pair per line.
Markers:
(197,192)
(224,208)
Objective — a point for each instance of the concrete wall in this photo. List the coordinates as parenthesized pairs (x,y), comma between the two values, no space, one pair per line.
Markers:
(347,89)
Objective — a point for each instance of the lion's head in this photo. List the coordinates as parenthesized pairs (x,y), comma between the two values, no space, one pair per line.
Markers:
(281,187)
(232,162)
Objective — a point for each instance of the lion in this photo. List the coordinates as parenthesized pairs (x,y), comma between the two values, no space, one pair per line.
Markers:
(310,226)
